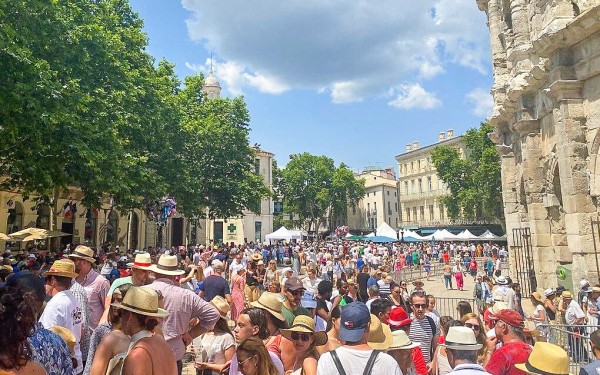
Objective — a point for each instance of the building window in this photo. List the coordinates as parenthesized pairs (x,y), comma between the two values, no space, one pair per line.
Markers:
(258,232)
(422,212)
(431,213)
(412,166)
(415,213)
(388,193)
(408,214)
(389,208)
(418,165)
(429,184)
(257,166)
(420,185)
(396,204)
(395,194)
(405,187)
(367,195)
(413,186)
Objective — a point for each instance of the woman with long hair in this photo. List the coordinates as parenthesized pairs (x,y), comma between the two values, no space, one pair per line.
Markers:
(539,316)
(472,320)
(463,308)
(108,345)
(215,349)
(272,275)
(306,340)
(17,322)
(254,359)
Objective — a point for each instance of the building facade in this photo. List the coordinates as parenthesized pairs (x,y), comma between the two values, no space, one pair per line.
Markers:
(380,203)
(419,187)
(252,226)
(546,118)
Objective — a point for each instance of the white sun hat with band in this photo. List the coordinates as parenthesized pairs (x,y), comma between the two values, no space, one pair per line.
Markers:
(142,261)
(143,301)
(167,265)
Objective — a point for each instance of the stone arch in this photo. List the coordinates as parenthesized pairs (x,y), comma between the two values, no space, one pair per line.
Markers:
(14,220)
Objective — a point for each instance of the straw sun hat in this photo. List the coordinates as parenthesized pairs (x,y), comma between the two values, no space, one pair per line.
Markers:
(67,336)
(143,301)
(546,358)
(142,261)
(83,252)
(62,267)
(167,265)
(380,335)
(305,324)
(270,302)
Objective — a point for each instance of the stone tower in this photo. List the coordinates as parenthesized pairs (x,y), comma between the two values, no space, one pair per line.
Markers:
(211,88)
(546,61)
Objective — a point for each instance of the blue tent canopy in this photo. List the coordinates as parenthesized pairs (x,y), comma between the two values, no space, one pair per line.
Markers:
(381,239)
(410,239)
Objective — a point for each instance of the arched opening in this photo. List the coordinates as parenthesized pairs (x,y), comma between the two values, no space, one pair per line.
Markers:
(556,186)
(91,226)
(133,234)
(14,223)
(112,228)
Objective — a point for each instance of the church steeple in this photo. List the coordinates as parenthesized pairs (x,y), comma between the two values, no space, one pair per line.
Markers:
(211,88)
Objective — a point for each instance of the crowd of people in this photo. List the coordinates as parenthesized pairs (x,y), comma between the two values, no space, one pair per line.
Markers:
(321,308)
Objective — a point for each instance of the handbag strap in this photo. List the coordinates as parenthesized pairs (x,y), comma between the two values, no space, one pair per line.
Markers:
(337,363)
(371,362)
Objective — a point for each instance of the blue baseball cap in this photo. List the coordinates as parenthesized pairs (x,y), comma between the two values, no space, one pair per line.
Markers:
(355,318)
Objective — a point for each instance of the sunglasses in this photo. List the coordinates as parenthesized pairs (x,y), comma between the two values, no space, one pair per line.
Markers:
(295,292)
(420,306)
(300,336)
(474,327)
(241,363)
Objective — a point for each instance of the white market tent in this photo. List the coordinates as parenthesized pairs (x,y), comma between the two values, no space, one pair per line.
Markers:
(441,235)
(467,236)
(284,234)
(298,232)
(372,234)
(348,235)
(409,233)
(489,236)
(386,231)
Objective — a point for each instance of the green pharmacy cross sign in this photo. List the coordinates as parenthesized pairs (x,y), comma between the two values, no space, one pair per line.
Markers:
(231,228)
(231,231)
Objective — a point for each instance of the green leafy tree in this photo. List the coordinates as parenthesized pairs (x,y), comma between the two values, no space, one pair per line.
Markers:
(217,160)
(474,181)
(314,189)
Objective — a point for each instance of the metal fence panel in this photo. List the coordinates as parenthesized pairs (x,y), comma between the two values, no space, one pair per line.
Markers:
(575,339)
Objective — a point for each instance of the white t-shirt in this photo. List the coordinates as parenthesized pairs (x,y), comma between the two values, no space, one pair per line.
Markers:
(354,362)
(64,310)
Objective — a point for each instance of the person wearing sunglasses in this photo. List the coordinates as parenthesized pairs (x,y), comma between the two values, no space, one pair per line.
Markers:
(294,288)
(254,359)
(423,328)
(472,320)
(305,339)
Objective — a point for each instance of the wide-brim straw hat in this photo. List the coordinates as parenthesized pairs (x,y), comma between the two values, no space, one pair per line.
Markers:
(546,358)
(380,335)
(143,301)
(167,265)
(537,296)
(305,324)
(256,257)
(272,302)
(401,341)
(461,338)
(83,252)
(67,336)
(62,267)
(221,304)
(142,261)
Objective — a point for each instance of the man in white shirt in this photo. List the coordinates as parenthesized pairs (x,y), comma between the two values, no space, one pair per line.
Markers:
(575,316)
(354,356)
(63,309)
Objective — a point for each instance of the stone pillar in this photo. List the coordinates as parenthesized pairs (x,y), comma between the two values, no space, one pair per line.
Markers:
(520,24)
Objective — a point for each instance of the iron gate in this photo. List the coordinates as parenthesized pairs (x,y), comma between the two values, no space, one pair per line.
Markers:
(523,258)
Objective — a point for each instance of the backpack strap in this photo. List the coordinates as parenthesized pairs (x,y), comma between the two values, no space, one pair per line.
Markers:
(433,332)
(371,362)
(337,363)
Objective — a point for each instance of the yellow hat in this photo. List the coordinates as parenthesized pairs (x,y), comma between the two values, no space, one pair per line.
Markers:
(67,336)
(83,252)
(62,267)
(305,324)
(380,335)
(546,358)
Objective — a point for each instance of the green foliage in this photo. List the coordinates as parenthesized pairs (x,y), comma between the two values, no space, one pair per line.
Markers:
(474,182)
(83,104)
(313,188)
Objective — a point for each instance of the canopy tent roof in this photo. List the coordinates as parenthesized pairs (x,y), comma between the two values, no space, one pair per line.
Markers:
(466,235)
(372,234)
(489,236)
(441,235)
(382,239)
(412,239)
(284,234)
(386,231)
(409,233)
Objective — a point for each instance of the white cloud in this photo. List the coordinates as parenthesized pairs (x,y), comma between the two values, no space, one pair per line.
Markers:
(482,101)
(351,50)
(414,97)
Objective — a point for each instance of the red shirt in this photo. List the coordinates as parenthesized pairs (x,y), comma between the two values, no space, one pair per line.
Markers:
(503,360)
(419,360)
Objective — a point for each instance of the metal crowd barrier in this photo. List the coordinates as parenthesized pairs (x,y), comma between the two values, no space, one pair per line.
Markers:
(575,339)
(448,306)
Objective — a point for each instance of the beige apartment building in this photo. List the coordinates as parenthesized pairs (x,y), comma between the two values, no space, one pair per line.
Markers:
(419,187)
(380,203)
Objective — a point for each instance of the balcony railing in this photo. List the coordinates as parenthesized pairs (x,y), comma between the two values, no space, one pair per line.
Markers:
(442,222)
(422,195)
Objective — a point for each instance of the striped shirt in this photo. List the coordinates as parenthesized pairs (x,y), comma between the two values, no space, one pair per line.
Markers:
(420,331)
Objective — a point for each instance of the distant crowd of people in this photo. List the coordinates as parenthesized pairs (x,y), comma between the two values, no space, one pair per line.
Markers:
(322,308)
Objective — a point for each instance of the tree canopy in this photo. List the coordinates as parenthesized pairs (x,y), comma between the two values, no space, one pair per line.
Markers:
(474,181)
(83,104)
(314,189)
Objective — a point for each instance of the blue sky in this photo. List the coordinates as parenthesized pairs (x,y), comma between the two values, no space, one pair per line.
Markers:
(348,79)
